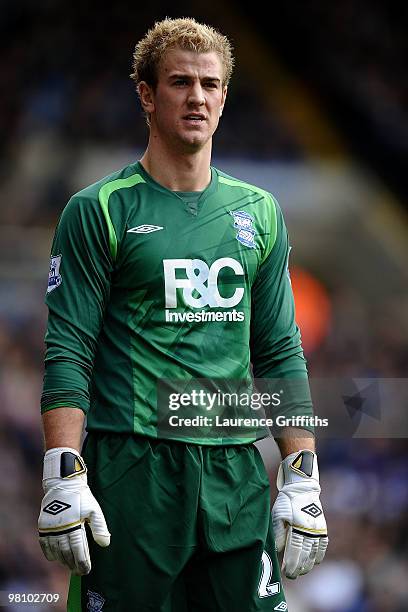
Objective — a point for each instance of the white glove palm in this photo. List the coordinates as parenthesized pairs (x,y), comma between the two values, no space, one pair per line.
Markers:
(67,505)
(297,516)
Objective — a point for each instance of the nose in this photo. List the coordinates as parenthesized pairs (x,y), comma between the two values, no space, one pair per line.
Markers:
(196,95)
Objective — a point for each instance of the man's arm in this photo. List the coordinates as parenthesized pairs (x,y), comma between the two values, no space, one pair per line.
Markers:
(63,427)
(82,264)
(276,350)
(77,294)
(278,363)
(293,440)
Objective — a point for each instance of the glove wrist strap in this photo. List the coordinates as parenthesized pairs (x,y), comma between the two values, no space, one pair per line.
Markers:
(298,467)
(63,462)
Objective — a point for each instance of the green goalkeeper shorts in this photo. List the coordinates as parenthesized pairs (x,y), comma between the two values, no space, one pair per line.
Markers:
(191,529)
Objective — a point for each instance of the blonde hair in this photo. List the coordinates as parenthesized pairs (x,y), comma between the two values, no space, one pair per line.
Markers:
(184,33)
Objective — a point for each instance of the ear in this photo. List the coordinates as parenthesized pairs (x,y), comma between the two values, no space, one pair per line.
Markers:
(146,96)
(224,96)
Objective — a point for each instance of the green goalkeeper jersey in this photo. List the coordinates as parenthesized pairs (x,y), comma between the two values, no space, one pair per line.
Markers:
(147,285)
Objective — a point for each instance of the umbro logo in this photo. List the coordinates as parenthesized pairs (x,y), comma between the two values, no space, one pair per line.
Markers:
(282,606)
(144,229)
(55,507)
(312,510)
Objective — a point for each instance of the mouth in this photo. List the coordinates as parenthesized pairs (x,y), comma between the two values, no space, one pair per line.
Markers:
(194,118)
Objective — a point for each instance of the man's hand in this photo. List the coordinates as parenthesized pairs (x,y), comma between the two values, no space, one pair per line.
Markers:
(67,505)
(297,516)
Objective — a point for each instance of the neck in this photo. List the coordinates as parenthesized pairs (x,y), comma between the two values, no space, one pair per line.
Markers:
(178,171)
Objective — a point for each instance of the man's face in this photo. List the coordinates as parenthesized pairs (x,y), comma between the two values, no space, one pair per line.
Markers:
(188,100)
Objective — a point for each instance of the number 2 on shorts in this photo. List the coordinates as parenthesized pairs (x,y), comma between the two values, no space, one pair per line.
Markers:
(266,588)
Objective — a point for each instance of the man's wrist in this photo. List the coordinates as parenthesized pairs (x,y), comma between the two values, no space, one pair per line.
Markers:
(293,439)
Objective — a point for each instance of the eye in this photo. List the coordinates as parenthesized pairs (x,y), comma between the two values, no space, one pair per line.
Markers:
(180,82)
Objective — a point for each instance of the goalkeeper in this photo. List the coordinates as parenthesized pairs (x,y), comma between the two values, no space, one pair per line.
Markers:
(170,269)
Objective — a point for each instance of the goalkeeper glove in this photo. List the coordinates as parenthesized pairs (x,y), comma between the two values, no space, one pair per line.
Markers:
(67,505)
(297,516)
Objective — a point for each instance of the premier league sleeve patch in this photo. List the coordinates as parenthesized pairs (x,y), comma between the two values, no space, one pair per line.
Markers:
(243,223)
(54,277)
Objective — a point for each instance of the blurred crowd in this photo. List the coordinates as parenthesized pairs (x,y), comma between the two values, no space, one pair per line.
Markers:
(65,88)
(353,55)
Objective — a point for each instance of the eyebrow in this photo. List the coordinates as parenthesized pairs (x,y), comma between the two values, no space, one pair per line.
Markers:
(180,75)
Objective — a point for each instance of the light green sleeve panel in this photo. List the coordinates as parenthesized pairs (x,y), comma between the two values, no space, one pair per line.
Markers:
(104,194)
(77,303)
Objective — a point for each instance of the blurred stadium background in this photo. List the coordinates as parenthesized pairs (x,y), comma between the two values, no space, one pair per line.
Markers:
(317,114)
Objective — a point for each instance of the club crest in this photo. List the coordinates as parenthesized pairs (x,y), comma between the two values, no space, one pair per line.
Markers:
(95,601)
(54,277)
(243,223)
